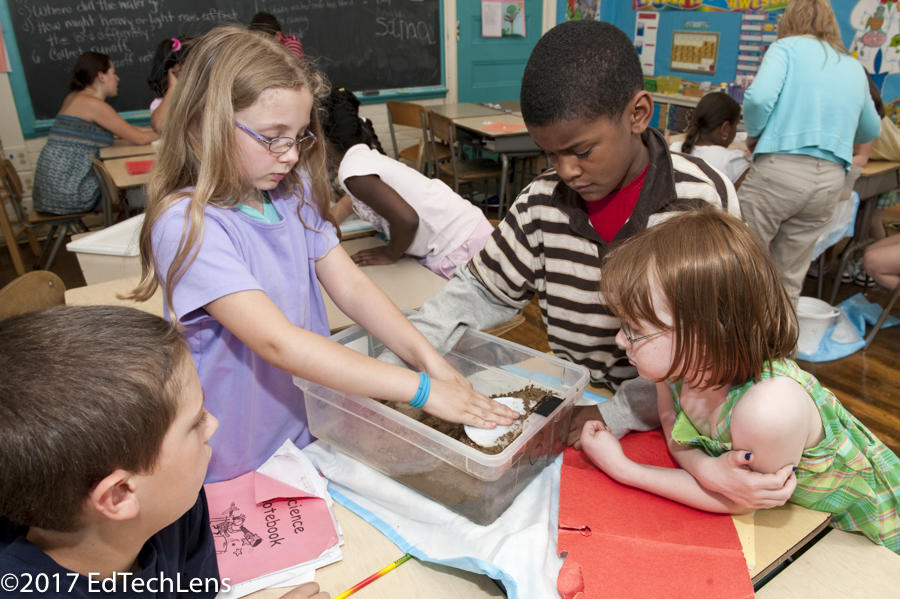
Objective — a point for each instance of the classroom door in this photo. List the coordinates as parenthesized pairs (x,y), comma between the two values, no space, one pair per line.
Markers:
(489,69)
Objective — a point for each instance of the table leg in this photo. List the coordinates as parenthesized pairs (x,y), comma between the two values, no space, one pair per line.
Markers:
(860,240)
(504,173)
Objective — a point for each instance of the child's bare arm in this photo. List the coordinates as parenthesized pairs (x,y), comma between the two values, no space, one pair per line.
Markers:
(341,209)
(729,474)
(775,420)
(605,451)
(401,217)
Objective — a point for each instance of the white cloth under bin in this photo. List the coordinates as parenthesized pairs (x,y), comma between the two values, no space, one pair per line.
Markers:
(518,549)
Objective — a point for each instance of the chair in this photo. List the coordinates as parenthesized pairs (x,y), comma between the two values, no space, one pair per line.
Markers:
(31,291)
(110,193)
(840,226)
(456,170)
(61,225)
(410,114)
(884,314)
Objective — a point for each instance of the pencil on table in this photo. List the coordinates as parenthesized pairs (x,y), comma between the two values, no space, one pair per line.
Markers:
(375,576)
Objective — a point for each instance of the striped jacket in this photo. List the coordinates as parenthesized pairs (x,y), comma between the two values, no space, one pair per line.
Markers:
(547,246)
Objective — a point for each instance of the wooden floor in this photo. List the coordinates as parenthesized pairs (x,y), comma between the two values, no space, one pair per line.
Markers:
(866,382)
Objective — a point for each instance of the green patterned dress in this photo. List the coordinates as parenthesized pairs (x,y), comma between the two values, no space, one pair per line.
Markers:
(64,181)
(850,473)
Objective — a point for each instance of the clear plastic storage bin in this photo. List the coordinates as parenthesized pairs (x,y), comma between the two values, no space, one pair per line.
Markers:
(470,482)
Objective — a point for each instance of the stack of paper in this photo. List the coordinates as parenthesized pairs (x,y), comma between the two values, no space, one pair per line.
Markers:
(274,526)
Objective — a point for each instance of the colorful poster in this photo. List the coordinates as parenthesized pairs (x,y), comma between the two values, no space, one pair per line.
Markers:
(646,26)
(513,18)
(586,10)
(876,42)
(711,5)
(758,31)
(694,51)
(491,18)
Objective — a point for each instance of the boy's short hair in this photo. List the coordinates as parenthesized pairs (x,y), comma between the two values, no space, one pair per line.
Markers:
(580,69)
(265,22)
(730,311)
(85,390)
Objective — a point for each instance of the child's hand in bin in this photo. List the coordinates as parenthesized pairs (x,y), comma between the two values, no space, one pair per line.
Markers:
(307,590)
(454,402)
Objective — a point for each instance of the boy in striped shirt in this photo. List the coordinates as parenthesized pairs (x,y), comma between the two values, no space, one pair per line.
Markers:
(584,104)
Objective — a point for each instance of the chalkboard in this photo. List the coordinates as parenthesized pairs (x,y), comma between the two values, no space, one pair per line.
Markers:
(363,45)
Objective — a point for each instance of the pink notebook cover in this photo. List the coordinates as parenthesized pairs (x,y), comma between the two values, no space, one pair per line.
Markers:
(261,525)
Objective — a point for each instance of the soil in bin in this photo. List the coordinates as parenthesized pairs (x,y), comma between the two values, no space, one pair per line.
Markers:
(530,396)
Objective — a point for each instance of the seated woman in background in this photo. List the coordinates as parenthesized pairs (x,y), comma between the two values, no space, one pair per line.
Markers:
(420,217)
(712,129)
(167,60)
(64,182)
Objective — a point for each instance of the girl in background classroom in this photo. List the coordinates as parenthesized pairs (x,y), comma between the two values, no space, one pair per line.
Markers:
(705,315)
(167,62)
(419,216)
(237,235)
(64,181)
(712,130)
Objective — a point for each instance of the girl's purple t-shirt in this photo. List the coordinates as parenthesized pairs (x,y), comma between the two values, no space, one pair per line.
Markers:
(257,404)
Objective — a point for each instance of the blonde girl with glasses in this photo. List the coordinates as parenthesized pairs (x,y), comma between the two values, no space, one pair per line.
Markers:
(236,235)
(704,315)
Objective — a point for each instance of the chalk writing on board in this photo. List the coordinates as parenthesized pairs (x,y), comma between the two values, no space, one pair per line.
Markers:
(360,44)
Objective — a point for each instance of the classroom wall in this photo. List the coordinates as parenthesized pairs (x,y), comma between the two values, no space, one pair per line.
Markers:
(728,24)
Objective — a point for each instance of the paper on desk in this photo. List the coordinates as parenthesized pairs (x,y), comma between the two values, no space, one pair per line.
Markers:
(274,526)
(138,167)
(615,535)
(503,127)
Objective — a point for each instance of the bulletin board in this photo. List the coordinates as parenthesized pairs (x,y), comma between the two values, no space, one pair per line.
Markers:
(694,51)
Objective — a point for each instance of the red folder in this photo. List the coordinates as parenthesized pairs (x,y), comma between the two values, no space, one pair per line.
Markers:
(624,542)
(138,167)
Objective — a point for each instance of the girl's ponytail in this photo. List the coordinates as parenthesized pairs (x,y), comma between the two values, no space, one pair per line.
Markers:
(690,137)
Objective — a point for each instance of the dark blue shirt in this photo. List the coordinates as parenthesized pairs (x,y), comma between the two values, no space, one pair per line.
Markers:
(178,561)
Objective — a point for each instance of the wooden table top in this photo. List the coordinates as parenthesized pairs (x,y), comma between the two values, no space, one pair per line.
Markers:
(119,171)
(121,149)
(463,110)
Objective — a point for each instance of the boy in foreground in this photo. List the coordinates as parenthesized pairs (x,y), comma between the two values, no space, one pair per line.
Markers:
(103,450)
(583,102)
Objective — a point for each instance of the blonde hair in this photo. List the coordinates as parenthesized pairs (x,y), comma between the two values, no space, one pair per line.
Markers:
(812,17)
(226,72)
(730,311)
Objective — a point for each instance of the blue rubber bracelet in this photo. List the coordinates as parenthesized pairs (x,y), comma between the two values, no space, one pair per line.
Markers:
(422,392)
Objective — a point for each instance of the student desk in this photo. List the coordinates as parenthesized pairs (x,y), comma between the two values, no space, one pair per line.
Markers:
(366,551)
(463,110)
(120,175)
(841,565)
(406,282)
(121,149)
(511,144)
(877,177)
(771,536)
